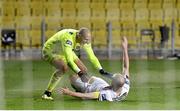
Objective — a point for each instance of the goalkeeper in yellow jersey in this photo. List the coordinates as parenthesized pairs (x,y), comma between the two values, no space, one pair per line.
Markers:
(59,52)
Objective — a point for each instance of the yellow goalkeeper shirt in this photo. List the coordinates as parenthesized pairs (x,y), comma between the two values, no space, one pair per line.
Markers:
(66,39)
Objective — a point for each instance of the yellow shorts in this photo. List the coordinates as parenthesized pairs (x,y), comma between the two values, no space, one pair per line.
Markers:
(49,56)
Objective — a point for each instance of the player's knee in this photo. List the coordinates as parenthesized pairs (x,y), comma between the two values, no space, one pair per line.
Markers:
(61,70)
(64,68)
(60,65)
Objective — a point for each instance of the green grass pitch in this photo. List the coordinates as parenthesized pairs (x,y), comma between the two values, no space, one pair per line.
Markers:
(155,84)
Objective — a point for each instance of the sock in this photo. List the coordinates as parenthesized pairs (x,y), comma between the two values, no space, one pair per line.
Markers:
(54,81)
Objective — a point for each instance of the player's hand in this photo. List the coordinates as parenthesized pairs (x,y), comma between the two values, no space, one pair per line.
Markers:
(64,91)
(125,40)
(106,74)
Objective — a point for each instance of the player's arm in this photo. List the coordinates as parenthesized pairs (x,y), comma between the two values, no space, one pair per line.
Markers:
(68,54)
(125,57)
(93,59)
(91,56)
(92,95)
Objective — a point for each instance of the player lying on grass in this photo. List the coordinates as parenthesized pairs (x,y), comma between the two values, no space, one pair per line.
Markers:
(97,88)
(59,52)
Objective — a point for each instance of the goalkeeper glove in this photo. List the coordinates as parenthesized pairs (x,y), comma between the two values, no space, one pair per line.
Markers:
(106,74)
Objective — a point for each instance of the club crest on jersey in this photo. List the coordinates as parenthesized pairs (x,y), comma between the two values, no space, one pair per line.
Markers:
(69,42)
(70,33)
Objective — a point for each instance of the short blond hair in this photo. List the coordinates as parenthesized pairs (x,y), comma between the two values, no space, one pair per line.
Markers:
(83,31)
(118,81)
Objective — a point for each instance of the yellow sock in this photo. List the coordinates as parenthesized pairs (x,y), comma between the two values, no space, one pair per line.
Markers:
(55,78)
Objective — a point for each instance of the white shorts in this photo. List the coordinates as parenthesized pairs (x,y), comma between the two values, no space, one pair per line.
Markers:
(79,86)
(96,84)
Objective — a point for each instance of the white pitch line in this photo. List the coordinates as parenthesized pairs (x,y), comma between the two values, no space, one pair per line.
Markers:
(28,84)
(142,77)
(169,80)
(2,89)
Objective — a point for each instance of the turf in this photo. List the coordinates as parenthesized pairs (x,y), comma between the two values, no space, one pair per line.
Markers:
(155,84)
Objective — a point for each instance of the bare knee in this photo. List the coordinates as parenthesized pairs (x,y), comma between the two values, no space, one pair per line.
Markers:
(60,66)
(64,68)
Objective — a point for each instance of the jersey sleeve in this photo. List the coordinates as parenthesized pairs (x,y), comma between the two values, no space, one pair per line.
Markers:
(69,55)
(93,59)
(96,94)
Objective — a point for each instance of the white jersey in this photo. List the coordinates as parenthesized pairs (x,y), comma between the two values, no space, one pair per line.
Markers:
(97,85)
(110,95)
(105,94)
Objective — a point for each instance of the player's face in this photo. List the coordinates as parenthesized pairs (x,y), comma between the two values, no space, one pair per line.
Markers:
(86,38)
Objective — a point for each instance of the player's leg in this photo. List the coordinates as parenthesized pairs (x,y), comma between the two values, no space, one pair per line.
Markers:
(77,83)
(96,84)
(94,80)
(61,68)
(59,62)
(55,78)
